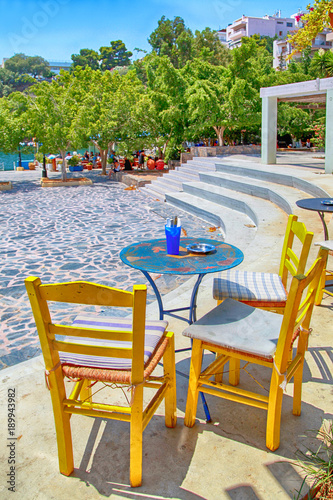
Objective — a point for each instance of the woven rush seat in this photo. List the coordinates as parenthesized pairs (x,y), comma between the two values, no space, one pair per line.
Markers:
(250,287)
(120,376)
(106,369)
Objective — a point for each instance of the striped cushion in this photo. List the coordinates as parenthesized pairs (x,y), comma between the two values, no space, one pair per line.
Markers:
(249,286)
(235,326)
(153,334)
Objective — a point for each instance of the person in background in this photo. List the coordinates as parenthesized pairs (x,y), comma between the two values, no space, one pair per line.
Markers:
(128,164)
(86,155)
(308,143)
(150,163)
(111,156)
(142,159)
(115,168)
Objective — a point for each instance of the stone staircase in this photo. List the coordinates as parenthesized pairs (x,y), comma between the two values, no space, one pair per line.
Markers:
(250,202)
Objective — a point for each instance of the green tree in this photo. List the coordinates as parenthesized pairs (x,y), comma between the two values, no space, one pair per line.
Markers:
(86,57)
(314,21)
(206,99)
(22,64)
(293,120)
(172,39)
(13,129)
(207,47)
(107,112)
(162,110)
(322,64)
(53,108)
(115,55)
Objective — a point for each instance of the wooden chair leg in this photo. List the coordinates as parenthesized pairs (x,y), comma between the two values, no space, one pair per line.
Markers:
(62,423)
(171,394)
(219,376)
(136,438)
(234,369)
(85,393)
(192,394)
(321,287)
(274,413)
(297,400)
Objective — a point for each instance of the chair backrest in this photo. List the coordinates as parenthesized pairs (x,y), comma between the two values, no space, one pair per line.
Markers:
(80,292)
(298,312)
(291,263)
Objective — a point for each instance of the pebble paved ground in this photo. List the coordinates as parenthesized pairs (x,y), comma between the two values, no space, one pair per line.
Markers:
(66,234)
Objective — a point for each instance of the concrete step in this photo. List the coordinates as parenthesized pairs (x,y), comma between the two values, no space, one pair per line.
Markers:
(170,183)
(199,164)
(155,191)
(253,207)
(213,213)
(256,242)
(282,196)
(185,174)
(253,170)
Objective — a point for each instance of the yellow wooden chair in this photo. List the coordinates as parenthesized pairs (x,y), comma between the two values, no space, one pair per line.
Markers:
(121,351)
(326,284)
(268,290)
(236,331)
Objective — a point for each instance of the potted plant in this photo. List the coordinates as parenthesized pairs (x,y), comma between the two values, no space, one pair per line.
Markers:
(318,465)
(73,164)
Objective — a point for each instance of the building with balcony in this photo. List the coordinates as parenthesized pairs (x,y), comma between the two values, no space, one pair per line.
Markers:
(264,26)
(282,48)
(56,66)
(222,34)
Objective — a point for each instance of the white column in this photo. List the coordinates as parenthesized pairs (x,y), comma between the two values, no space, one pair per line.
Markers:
(268,130)
(329,133)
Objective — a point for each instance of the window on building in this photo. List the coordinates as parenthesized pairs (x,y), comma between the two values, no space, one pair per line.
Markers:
(289,25)
(280,22)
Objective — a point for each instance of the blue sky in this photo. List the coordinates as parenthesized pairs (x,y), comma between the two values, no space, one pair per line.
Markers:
(55,29)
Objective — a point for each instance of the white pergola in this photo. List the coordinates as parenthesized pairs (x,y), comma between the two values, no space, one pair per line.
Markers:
(313,92)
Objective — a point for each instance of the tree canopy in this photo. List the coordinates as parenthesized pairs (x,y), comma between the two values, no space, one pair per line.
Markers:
(27,65)
(314,21)
(106,59)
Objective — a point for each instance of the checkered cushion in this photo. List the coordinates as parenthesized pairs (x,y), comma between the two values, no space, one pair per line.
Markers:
(249,286)
(238,327)
(153,334)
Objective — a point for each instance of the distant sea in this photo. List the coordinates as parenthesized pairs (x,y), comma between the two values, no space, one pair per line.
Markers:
(9,159)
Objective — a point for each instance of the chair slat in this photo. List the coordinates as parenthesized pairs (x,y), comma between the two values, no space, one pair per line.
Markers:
(82,292)
(90,350)
(97,406)
(76,331)
(292,256)
(98,413)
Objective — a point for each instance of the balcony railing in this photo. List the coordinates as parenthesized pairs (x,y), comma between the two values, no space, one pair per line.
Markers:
(237,34)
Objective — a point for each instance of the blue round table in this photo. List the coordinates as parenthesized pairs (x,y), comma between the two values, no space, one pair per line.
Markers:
(318,205)
(151,257)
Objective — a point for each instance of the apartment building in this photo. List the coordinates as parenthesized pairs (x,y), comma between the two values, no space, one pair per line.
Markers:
(264,26)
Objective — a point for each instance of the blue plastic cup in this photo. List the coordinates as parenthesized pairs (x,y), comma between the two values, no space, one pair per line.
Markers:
(172,239)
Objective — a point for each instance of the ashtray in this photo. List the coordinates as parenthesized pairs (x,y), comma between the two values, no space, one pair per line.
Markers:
(200,248)
(327,202)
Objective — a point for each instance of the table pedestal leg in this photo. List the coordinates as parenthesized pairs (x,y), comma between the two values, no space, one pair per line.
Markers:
(157,293)
(321,215)
(193,303)
(192,318)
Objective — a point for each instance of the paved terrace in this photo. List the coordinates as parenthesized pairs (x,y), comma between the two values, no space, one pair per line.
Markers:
(222,460)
